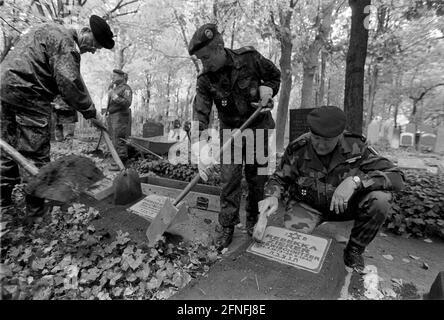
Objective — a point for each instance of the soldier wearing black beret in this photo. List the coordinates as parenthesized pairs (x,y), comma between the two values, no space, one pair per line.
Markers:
(333,175)
(233,80)
(44,64)
(120,97)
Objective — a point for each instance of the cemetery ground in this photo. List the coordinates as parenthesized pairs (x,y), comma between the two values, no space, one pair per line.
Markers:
(94,250)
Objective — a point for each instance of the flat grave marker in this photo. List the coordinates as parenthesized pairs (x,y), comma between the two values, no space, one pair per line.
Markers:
(292,248)
(149,206)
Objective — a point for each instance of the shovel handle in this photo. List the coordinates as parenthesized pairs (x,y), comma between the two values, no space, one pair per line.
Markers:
(113,151)
(21,160)
(217,155)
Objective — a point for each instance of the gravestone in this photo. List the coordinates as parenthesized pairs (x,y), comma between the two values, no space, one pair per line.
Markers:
(292,248)
(152,129)
(427,141)
(373,131)
(439,145)
(298,122)
(149,206)
(407,139)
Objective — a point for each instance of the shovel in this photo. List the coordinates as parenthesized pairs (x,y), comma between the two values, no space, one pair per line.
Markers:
(126,186)
(169,211)
(61,180)
(97,152)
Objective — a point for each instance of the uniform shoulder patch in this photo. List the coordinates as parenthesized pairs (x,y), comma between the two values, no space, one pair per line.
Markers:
(244,50)
(299,142)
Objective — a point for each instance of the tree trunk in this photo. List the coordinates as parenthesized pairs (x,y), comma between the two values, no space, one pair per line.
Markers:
(354,71)
(372,92)
(311,57)
(324,55)
(285,90)
(284,35)
(307,80)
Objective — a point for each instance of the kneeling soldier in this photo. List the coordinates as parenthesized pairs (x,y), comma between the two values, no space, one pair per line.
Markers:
(332,175)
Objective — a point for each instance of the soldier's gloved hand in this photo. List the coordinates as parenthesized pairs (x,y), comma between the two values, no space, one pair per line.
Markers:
(201,151)
(266,95)
(268,206)
(342,195)
(90,112)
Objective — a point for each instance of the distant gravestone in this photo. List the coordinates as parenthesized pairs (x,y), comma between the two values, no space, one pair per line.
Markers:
(439,145)
(298,122)
(427,141)
(373,131)
(407,139)
(152,129)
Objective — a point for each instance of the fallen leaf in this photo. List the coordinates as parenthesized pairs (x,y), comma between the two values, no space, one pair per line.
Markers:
(381,234)
(425,266)
(428,240)
(414,257)
(406,260)
(397,281)
(388,256)
(128,291)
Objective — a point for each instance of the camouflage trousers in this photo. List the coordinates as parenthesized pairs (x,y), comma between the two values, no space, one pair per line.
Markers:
(118,128)
(28,131)
(367,210)
(231,178)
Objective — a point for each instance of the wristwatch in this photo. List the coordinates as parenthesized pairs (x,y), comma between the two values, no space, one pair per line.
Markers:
(357,180)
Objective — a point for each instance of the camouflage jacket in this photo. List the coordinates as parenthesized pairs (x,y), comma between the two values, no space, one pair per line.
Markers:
(122,100)
(44,63)
(304,177)
(233,87)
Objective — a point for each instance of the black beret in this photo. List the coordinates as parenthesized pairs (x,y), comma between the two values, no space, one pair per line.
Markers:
(101,31)
(202,37)
(326,121)
(118,71)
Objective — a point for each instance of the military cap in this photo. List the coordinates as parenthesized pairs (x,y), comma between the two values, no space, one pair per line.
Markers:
(202,37)
(118,71)
(101,31)
(326,121)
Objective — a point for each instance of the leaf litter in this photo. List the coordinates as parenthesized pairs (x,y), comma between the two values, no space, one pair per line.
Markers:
(64,257)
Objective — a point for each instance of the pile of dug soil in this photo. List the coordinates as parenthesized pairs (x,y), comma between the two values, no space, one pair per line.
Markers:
(64,179)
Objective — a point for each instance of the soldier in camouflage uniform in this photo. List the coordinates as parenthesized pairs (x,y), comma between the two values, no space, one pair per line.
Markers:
(44,63)
(64,117)
(331,175)
(232,80)
(119,102)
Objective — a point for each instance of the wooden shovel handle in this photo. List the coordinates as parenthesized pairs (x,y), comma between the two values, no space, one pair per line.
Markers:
(21,160)
(113,151)
(216,156)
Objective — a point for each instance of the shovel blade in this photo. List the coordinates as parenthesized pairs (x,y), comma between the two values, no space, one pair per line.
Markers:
(167,216)
(127,187)
(259,228)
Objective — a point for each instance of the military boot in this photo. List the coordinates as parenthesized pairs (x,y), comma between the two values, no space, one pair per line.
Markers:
(250,223)
(353,256)
(225,237)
